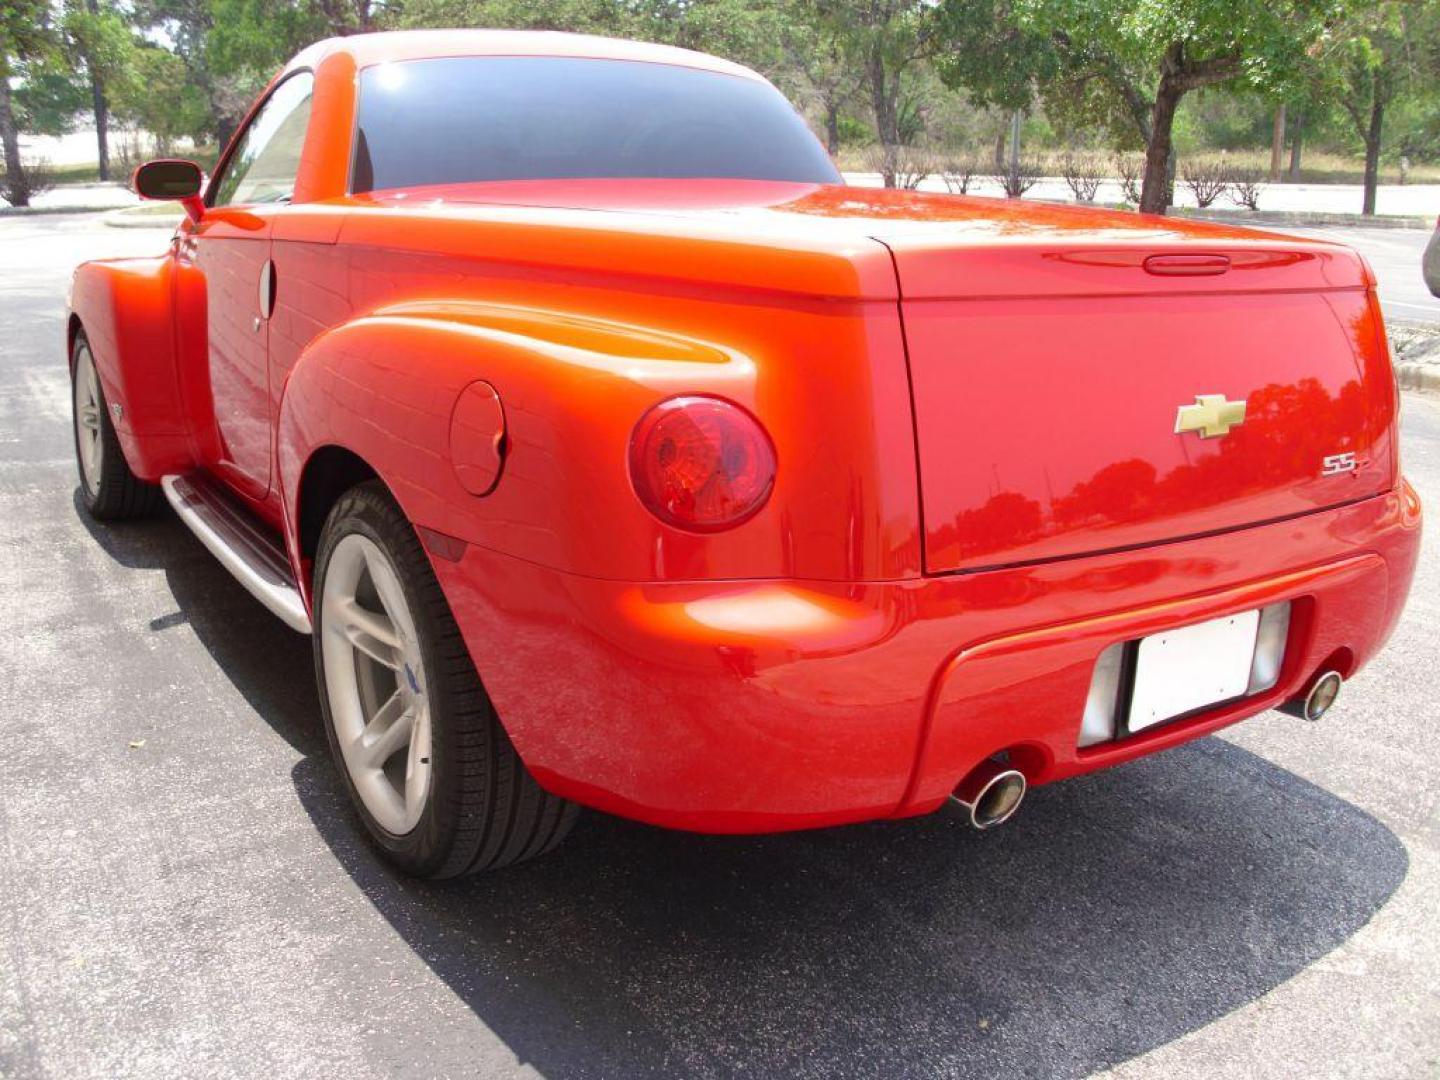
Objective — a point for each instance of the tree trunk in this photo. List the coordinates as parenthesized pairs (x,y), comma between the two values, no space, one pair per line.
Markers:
(1277,144)
(102,125)
(1372,154)
(10,137)
(884,99)
(1014,170)
(1000,151)
(832,127)
(99,105)
(1296,144)
(887,124)
(1155,188)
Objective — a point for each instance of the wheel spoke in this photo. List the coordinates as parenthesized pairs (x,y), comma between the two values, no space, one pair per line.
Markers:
(388,731)
(370,632)
(388,586)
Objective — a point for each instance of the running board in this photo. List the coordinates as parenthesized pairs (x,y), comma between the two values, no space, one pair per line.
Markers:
(241,544)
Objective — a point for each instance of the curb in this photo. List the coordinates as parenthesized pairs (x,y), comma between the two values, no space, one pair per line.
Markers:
(1302,219)
(35,211)
(122,220)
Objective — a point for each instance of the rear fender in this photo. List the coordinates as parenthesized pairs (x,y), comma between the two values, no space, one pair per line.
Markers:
(125,308)
(385,386)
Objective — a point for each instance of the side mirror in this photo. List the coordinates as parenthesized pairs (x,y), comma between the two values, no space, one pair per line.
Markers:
(171,179)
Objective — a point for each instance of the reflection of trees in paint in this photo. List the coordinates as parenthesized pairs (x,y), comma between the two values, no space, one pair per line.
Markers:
(1270,449)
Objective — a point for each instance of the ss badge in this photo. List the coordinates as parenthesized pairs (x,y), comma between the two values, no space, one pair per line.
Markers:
(1336,464)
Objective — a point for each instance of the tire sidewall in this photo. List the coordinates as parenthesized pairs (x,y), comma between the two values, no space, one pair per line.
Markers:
(88,497)
(370,513)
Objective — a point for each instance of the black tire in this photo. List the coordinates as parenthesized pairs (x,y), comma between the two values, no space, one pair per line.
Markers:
(484,809)
(114,493)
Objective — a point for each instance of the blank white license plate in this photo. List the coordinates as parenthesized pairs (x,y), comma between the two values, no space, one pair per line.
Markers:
(1182,670)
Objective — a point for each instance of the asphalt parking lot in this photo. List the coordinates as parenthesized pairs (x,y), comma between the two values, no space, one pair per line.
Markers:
(184,895)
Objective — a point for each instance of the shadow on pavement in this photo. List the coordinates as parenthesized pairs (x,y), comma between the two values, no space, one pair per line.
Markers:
(268,662)
(1116,913)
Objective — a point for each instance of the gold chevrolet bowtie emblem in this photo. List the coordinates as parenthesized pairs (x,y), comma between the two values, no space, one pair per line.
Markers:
(1211,415)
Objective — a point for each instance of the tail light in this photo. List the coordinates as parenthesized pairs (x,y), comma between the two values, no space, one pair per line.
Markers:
(701,463)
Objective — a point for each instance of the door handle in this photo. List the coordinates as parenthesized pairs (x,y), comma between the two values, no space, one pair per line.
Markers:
(267,289)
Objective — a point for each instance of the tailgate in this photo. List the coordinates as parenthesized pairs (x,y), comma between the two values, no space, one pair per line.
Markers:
(1049,385)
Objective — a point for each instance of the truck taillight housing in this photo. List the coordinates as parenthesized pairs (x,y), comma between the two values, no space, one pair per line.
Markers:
(701,463)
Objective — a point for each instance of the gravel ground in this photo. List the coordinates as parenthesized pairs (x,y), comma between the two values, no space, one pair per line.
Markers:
(185,895)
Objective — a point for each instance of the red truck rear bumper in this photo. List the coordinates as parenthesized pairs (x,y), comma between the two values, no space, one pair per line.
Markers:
(756,706)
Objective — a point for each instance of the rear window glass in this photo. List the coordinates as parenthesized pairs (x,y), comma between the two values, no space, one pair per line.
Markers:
(457,120)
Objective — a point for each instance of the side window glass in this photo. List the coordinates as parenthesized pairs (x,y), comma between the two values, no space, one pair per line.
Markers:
(267,158)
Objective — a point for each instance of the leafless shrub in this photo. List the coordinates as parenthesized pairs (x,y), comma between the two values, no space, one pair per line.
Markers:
(1245,187)
(31,180)
(1021,179)
(958,174)
(1130,168)
(1083,174)
(1206,179)
(901,166)
(127,154)
(913,168)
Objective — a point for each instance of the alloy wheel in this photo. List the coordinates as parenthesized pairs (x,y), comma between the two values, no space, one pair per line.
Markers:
(375,683)
(89,402)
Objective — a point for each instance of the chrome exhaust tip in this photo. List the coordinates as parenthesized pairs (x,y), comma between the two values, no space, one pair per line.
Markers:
(1322,695)
(1320,698)
(990,794)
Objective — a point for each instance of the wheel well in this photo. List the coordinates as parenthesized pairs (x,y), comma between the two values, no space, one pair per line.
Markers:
(72,331)
(330,472)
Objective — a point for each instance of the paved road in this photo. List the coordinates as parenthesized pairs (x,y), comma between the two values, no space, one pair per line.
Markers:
(184,895)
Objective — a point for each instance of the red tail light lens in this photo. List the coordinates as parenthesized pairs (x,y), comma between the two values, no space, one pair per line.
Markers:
(701,463)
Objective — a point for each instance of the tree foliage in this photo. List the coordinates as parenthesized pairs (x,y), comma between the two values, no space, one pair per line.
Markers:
(1127,65)
(900,73)
(1376,56)
(28,42)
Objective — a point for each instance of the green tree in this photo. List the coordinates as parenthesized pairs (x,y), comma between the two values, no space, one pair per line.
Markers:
(1128,64)
(49,97)
(26,41)
(188,25)
(1380,53)
(100,46)
(885,40)
(816,70)
(177,111)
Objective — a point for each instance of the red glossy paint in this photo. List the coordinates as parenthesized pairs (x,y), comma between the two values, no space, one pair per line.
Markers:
(977,486)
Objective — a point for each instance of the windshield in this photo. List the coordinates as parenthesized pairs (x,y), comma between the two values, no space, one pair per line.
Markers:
(458,120)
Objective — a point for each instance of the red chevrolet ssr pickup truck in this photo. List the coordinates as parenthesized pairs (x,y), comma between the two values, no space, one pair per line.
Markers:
(614,453)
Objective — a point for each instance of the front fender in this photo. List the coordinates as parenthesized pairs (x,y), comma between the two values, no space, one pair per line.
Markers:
(126,309)
(385,386)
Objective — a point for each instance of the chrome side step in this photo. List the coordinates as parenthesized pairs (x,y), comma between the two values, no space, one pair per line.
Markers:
(241,545)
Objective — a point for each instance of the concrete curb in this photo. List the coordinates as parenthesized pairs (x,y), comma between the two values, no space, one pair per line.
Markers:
(122,219)
(34,211)
(1302,219)
(1416,354)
